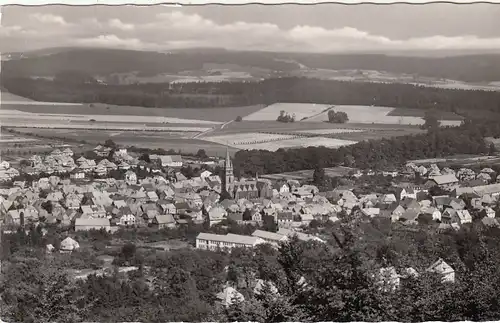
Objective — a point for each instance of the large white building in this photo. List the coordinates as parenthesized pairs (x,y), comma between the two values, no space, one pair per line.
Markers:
(270,237)
(168,160)
(209,241)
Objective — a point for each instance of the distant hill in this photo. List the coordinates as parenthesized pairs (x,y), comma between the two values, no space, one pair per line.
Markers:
(93,61)
(108,61)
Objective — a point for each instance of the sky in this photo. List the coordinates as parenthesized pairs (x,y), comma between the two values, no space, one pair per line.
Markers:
(318,28)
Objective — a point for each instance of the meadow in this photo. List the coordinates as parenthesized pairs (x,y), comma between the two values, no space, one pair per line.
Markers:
(405,112)
(300,110)
(204,114)
(307,174)
(372,114)
(273,142)
(8,114)
(144,139)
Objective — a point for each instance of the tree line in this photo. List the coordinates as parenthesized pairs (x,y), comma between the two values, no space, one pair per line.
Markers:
(286,89)
(374,154)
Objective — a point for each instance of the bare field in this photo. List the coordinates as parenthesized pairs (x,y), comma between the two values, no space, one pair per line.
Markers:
(8,114)
(97,109)
(328,131)
(404,112)
(375,135)
(300,110)
(307,174)
(273,142)
(375,114)
(275,126)
(6,96)
(144,139)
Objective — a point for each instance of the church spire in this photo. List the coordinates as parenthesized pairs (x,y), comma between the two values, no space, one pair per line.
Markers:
(228,158)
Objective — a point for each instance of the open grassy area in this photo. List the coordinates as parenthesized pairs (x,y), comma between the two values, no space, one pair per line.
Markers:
(300,110)
(143,139)
(404,112)
(204,114)
(6,96)
(384,115)
(307,174)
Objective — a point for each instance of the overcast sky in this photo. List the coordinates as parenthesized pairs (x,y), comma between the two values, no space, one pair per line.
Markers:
(319,28)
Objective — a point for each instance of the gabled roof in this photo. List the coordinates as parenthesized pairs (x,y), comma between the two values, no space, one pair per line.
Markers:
(164,219)
(445,179)
(231,238)
(269,235)
(92,222)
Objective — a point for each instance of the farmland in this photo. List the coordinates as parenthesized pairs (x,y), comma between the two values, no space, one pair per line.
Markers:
(300,110)
(360,75)
(144,139)
(307,174)
(273,142)
(14,146)
(204,114)
(211,129)
(382,115)
(404,112)
(305,112)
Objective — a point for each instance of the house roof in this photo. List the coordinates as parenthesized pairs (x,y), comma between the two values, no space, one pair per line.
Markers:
(268,235)
(92,222)
(445,179)
(231,238)
(164,218)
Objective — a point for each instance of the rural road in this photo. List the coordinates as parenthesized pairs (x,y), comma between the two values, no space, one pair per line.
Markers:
(206,132)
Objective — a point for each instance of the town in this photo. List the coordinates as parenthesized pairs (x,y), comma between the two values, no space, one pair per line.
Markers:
(121,191)
(249,163)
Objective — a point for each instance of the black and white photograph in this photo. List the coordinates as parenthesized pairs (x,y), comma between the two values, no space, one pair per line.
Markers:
(250,163)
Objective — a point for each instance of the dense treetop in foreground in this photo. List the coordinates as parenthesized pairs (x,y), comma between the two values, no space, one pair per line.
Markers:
(181,285)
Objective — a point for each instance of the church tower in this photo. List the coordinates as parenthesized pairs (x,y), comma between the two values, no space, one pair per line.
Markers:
(228,174)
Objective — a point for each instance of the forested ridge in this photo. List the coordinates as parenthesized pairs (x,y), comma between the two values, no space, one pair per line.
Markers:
(227,94)
(101,61)
(340,278)
(373,154)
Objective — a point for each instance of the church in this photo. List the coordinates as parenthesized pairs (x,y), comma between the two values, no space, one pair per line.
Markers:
(243,189)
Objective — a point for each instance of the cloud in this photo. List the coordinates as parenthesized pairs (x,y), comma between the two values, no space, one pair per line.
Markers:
(118,24)
(112,41)
(177,29)
(49,19)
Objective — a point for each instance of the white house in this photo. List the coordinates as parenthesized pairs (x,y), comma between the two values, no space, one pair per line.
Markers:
(388,279)
(69,245)
(4,165)
(209,241)
(130,177)
(442,268)
(229,294)
(168,160)
(205,174)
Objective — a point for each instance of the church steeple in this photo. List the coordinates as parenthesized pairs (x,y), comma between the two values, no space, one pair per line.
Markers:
(228,174)
(228,162)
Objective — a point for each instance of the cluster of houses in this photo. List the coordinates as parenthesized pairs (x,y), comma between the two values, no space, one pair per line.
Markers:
(63,162)
(168,199)
(7,172)
(158,199)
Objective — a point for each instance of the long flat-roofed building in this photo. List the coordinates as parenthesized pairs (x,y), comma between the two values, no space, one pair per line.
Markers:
(209,241)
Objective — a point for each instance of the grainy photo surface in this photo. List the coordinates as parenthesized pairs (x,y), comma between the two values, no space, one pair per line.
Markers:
(250,163)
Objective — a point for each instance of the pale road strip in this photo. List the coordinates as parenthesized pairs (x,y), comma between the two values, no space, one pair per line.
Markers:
(210,130)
